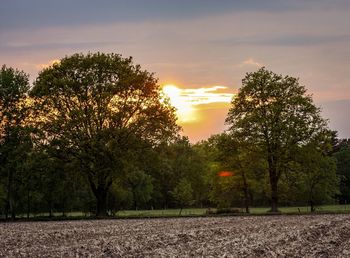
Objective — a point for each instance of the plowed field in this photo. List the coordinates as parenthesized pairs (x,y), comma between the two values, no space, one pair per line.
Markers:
(260,236)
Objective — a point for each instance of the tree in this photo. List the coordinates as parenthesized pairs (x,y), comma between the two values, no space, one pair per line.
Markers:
(235,155)
(230,154)
(141,187)
(342,156)
(319,181)
(15,138)
(274,114)
(97,109)
(183,193)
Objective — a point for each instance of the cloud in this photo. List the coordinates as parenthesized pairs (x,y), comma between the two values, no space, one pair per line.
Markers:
(251,62)
(201,111)
(283,40)
(42,66)
(200,96)
(39,13)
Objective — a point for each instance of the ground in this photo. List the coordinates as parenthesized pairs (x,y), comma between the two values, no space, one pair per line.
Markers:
(254,236)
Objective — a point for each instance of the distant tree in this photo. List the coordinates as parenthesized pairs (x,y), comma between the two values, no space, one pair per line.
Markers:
(97,108)
(140,185)
(187,163)
(233,155)
(319,182)
(15,141)
(342,156)
(246,164)
(183,193)
(172,162)
(274,115)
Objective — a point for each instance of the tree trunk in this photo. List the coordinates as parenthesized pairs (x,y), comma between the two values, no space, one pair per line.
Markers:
(312,206)
(273,184)
(274,196)
(13,213)
(100,190)
(10,200)
(101,198)
(28,203)
(50,208)
(135,200)
(12,207)
(63,207)
(246,193)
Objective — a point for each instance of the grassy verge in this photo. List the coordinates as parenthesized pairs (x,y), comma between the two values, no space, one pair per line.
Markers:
(188,212)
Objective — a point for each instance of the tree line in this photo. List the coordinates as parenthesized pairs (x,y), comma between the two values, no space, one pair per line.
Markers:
(95,133)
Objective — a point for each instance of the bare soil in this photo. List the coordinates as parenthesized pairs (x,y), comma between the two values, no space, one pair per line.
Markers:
(261,236)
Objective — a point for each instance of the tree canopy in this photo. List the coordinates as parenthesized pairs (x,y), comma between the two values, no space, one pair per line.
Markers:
(95,134)
(274,114)
(97,108)
(14,135)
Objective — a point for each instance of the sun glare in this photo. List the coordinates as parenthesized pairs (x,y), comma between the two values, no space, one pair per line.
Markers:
(187,101)
(184,109)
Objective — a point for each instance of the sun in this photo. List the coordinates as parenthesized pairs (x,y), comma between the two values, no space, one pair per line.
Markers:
(184,109)
(190,102)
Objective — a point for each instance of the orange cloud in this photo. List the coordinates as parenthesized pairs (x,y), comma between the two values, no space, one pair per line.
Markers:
(50,63)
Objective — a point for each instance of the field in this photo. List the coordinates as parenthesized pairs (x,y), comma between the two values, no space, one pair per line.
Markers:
(255,236)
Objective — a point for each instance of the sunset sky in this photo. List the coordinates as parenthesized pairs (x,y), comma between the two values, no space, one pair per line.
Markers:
(199,49)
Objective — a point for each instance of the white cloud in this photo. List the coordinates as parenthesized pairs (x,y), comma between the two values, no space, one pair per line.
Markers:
(251,62)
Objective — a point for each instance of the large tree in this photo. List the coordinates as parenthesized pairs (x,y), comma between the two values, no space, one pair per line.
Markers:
(275,115)
(100,109)
(14,135)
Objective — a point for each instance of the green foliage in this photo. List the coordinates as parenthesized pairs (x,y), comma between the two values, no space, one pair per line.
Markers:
(15,141)
(274,115)
(140,185)
(247,167)
(98,108)
(318,175)
(173,162)
(96,129)
(342,157)
(183,193)
(119,198)
(224,191)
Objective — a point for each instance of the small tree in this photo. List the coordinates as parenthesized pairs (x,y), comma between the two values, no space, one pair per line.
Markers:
(183,193)
(319,181)
(273,114)
(140,185)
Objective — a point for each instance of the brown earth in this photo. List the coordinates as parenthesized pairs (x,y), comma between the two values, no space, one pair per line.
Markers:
(262,236)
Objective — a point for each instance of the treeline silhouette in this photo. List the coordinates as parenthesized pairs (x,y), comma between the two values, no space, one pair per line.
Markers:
(94,133)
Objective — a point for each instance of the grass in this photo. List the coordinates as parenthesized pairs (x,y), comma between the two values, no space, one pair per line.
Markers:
(253,211)
(189,212)
(162,213)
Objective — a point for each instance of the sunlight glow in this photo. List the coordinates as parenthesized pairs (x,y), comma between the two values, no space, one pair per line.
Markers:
(184,109)
(189,101)
(52,62)
(225,173)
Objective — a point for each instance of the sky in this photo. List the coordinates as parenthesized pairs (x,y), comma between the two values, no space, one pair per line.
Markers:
(199,49)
